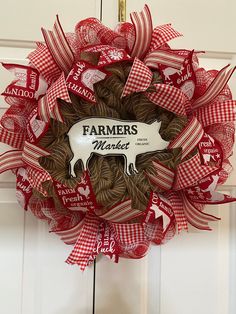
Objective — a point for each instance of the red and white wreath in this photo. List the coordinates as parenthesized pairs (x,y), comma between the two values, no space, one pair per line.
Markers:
(187,90)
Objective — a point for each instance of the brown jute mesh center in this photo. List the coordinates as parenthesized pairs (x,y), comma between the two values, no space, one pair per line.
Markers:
(110,183)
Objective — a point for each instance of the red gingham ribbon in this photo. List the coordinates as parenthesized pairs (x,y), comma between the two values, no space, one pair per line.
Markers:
(165,57)
(190,171)
(139,78)
(161,35)
(164,177)
(196,217)
(85,243)
(48,106)
(59,47)
(31,154)
(37,177)
(121,212)
(177,207)
(189,137)
(11,160)
(215,87)
(127,234)
(143,32)
(170,98)
(219,112)
(43,61)
(15,140)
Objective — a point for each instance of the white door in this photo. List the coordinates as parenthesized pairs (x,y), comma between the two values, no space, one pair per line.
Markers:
(34,277)
(193,273)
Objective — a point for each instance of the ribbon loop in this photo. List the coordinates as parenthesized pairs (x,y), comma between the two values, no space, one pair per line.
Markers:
(161,35)
(43,61)
(219,112)
(170,98)
(121,212)
(59,47)
(164,177)
(189,137)
(143,32)
(139,79)
(164,57)
(217,85)
(48,105)
(190,171)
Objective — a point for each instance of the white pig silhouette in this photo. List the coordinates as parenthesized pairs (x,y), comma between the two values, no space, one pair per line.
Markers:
(104,136)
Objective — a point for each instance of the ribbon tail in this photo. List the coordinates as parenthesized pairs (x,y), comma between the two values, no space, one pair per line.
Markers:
(83,249)
(177,207)
(196,217)
(11,160)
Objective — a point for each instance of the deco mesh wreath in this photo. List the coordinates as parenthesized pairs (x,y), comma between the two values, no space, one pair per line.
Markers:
(151,130)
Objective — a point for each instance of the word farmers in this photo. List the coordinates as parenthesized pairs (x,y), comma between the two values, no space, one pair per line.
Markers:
(105,136)
(120,129)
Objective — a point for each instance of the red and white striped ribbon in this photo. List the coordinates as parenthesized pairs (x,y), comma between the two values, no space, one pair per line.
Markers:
(196,217)
(143,32)
(31,154)
(139,79)
(85,243)
(11,160)
(170,98)
(121,212)
(71,235)
(15,140)
(129,234)
(190,172)
(189,137)
(59,47)
(219,112)
(165,57)
(177,207)
(215,87)
(161,35)
(164,177)
(43,61)
(48,105)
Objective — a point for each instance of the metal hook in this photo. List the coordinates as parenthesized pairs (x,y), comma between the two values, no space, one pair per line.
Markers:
(121,10)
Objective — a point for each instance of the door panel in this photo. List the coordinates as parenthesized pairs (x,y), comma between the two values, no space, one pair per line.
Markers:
(49,285)
(199,21)
(34,277)
(11,252)
(195,272)
(130,287)
(22,20)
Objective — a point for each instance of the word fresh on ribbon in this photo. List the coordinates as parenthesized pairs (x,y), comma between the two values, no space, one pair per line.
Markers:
(79,198)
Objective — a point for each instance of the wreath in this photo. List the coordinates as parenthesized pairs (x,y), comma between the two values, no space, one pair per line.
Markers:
(117,139)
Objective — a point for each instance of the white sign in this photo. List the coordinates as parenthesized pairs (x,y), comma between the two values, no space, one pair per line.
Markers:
(105,136)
